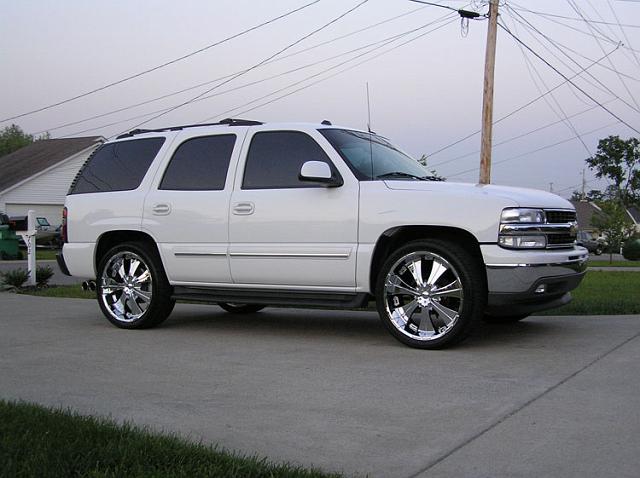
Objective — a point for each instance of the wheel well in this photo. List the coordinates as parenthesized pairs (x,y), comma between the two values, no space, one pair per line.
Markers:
(113,238)
(394,238)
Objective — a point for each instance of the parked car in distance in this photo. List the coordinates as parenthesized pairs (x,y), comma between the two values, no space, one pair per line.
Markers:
(591,243)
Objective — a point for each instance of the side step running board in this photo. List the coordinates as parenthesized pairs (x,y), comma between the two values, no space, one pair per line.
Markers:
(270,297)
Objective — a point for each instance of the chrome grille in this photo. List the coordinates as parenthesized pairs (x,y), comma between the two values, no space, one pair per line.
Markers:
(559,217)
(566,239)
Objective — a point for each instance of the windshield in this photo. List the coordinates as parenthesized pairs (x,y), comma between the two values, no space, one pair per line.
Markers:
(372,157)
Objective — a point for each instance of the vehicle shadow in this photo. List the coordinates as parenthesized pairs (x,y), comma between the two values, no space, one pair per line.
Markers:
(351,324)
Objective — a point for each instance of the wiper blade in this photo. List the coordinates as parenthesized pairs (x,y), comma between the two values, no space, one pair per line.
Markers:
(400,174)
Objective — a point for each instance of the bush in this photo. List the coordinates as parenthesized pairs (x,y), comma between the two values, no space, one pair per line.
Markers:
(631,249)
(43,274)
(15,277)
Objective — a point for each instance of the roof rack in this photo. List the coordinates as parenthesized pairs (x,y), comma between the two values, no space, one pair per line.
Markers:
(226,121)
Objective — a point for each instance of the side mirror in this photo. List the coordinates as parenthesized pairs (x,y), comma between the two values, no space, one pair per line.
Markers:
(319,172)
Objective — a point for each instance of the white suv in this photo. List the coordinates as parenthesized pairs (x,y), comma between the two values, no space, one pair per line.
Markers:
(246,214)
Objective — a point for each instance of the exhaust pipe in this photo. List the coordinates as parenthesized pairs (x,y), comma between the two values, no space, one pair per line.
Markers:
(89,285)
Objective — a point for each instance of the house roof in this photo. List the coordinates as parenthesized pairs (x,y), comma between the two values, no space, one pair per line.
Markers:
(634,212)
(585,212)
(38,156)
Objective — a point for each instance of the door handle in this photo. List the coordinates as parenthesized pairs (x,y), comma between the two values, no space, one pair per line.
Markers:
(243,208)
(161,209)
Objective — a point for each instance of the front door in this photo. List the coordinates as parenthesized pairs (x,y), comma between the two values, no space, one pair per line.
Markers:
(287,232)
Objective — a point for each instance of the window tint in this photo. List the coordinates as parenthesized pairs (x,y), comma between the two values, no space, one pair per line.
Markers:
(200,164)
(117,166)
(275,158)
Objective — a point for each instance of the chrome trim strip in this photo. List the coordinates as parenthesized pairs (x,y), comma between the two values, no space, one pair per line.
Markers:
(300,255)
(200,254)
(559,228)
(555,264)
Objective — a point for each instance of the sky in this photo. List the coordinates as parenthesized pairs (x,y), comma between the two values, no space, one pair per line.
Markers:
(423,67)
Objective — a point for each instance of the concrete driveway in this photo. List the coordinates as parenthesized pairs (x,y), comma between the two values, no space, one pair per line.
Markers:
(551,396)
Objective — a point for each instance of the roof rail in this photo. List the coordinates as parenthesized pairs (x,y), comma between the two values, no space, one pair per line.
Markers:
(226,121)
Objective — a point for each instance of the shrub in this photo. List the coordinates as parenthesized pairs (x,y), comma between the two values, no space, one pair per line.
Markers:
(15,277)
(43,274)
(631,249)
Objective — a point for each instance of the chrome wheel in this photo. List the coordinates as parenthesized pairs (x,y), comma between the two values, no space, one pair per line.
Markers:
(125,287)
(423,296)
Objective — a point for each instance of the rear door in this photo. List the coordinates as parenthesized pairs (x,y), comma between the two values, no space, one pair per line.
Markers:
(187,208)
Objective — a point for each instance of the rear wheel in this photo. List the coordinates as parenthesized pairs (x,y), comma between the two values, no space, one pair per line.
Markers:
(430,293)
(132,288)
(235,308)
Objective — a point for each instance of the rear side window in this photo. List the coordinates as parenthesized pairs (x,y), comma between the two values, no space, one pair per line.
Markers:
(275,158)
(200,164)
(117,166)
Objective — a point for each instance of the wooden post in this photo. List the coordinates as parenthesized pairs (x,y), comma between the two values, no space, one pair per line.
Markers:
(487,102)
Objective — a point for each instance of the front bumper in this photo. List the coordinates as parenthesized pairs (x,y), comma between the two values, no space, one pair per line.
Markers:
(517,288)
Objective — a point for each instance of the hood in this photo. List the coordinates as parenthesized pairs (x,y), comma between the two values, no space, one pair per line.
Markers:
(522,197)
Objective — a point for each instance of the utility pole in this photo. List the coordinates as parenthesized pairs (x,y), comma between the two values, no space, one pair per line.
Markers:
(584,186)
(487,102)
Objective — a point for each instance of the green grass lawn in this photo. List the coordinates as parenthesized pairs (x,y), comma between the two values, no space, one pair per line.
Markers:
(600,293)
(606,263)
(604,293)
(40,442)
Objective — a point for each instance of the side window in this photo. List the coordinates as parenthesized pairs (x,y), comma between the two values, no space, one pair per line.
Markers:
(200,164)
(116,166)
(275,158)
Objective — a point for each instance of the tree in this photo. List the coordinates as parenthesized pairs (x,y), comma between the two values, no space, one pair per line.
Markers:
(614,222)
(591,196)
(619,161)
(13,138)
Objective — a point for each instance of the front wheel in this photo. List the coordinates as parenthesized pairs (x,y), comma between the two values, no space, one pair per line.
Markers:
(241,308)
(430,293)
(132,288)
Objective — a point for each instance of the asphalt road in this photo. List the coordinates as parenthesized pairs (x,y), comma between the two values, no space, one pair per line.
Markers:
(551,396)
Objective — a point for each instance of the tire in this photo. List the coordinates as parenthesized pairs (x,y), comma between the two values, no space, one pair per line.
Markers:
(132,288)
(241,308)
(406,302)
(507,319)
(598,251)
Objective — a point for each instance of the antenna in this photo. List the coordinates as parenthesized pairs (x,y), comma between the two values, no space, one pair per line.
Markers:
(368,110)
(369,130)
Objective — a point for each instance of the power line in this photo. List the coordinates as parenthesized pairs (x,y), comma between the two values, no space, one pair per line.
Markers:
(613,42)
(320,80)
(520,136)
(579,12)
(199,85)
(155,68)
(520,108)
(562,115)
(546,14)
(569,80)
(257,65)
(381,43)
(535,150)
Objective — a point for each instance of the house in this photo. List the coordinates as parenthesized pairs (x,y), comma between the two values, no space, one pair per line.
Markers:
(38,176)
(585,211)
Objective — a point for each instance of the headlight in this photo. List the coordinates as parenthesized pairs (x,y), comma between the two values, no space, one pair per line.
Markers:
(523,242)
(522,216)
(522,228)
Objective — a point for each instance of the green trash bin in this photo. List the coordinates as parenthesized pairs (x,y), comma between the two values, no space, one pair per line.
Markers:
(8,243)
